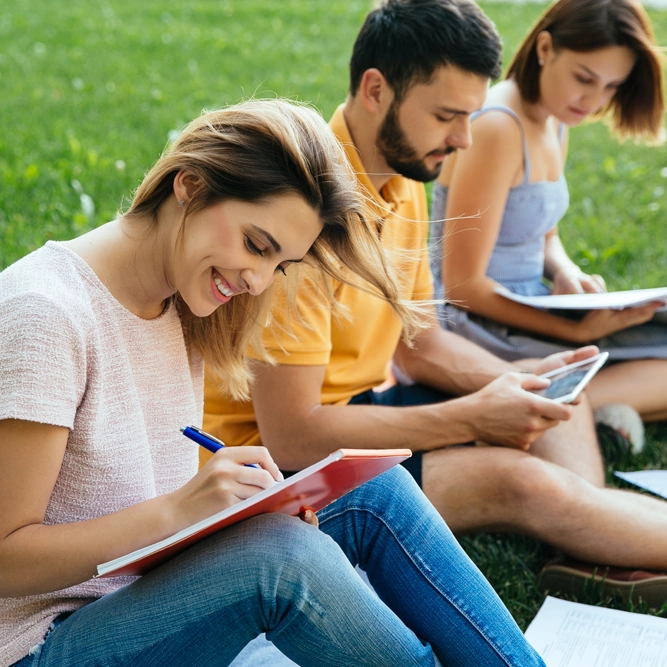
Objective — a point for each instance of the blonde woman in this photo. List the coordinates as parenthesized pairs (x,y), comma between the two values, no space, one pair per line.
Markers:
(102,342)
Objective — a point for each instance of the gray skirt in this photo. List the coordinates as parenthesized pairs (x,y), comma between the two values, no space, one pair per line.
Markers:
(646,341)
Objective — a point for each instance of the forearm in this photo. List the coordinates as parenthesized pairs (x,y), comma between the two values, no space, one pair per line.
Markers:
(448,362)
(298,441)
(480,297)
(42,558)
(556,260)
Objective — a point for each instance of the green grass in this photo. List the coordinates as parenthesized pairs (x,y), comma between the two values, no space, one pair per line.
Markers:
(90,92)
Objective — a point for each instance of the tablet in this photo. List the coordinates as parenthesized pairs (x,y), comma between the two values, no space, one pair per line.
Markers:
(567,382)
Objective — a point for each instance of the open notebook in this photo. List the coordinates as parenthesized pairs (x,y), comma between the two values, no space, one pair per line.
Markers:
(312,488)
(627,299)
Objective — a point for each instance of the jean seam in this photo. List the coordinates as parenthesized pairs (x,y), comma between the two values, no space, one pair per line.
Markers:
(424,571)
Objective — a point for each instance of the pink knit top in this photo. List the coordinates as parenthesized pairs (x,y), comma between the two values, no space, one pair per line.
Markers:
(72,356)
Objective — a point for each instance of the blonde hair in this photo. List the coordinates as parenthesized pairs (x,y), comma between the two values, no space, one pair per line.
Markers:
(251,152)
(587,25)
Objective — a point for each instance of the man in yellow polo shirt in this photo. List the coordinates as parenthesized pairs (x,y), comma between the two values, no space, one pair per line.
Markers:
(418,70)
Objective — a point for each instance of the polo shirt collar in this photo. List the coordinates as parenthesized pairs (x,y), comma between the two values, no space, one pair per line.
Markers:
(395,191)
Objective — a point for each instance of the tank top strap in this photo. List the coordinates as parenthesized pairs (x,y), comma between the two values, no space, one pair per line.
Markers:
(561,132)
(524,141)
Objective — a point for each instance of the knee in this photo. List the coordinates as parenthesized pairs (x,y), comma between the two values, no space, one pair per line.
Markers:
(396,485)
(287,551)
(535,483)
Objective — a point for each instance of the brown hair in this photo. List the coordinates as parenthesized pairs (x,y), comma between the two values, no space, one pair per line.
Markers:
(251,152)
(587,25)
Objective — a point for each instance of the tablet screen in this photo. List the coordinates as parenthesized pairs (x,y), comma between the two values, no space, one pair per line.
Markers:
(567,382)
(563,385)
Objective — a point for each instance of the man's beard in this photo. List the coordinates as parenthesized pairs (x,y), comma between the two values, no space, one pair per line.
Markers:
(399,154)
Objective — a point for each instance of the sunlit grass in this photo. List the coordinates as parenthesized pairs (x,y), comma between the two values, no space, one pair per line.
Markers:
(90,92)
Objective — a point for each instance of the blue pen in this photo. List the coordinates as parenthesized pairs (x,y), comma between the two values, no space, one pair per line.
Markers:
(206,440)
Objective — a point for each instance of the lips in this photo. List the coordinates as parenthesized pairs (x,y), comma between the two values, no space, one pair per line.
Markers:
(221,289)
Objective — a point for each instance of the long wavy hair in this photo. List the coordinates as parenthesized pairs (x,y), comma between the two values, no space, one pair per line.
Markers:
(587,25)
(251,152)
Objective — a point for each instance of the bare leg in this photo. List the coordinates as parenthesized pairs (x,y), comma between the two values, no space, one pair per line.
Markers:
(641,384)
(499,489)
(574,445)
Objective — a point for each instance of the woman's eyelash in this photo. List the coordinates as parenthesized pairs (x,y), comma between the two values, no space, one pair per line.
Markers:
(253,248)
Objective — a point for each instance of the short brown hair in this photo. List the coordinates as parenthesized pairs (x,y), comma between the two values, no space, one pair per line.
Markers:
(587,25)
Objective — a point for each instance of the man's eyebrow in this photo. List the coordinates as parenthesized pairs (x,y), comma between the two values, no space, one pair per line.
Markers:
(268,237)
(456,112)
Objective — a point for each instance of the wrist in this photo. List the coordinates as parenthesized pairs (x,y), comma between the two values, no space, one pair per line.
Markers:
(470,411)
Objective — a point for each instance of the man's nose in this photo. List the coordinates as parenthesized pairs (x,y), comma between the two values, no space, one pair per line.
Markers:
(460,137)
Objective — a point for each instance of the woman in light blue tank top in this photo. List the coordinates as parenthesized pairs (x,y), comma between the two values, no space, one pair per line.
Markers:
(497,205)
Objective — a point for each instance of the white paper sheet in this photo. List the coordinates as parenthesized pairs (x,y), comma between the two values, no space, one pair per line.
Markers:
(654,481)
(617,300)
(569,634)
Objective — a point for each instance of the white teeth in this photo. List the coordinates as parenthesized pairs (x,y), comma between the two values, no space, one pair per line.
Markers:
(221,288)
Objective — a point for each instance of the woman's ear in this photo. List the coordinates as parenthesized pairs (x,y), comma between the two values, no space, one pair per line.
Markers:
(543,47)
(185,185)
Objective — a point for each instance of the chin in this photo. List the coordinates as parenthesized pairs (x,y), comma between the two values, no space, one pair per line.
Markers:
(202,309)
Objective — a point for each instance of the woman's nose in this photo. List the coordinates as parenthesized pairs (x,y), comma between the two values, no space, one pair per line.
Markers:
(258,278)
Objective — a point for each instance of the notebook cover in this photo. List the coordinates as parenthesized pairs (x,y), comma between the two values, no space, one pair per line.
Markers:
(312,488)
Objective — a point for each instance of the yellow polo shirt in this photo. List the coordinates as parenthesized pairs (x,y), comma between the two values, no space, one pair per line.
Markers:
(355,350)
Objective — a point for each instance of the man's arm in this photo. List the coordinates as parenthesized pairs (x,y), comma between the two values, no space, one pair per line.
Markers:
(446,361)
(299,430)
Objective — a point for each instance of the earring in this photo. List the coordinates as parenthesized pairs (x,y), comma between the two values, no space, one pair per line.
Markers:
(541,62)
(181,202)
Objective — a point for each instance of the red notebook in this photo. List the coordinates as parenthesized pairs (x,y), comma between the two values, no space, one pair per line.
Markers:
(312,488)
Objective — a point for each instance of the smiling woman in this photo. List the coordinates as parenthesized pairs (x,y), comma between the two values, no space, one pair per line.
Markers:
(101,346)
(264,184)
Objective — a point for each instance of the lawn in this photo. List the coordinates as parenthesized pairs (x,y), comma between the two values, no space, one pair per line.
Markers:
(91,92)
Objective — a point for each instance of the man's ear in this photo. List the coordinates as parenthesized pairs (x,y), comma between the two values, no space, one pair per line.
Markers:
(185,185)
(374,92)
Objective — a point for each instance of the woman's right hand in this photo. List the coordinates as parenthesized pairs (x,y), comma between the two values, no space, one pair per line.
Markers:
(224,480)
(600,323)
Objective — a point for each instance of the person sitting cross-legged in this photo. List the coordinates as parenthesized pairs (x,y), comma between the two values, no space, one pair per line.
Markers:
(488,452)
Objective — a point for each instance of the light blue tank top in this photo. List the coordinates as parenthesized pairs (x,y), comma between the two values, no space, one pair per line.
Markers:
(531,210)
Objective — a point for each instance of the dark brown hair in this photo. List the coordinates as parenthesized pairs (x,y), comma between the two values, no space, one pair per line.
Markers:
(407,40)
(587,25)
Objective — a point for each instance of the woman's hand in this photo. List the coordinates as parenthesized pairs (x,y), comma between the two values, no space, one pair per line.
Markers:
(575,281)
(600,323)
(224,480)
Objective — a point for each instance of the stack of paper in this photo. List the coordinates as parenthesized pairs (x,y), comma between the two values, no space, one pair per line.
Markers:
(569,634)
(627,299)
(654,481)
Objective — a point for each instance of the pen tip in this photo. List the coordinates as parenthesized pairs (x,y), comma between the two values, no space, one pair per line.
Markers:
(182,429)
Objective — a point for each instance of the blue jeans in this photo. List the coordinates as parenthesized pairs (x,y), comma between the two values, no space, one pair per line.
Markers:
(278,575)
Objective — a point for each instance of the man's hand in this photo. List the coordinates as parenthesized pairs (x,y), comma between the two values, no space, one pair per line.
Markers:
(507,413)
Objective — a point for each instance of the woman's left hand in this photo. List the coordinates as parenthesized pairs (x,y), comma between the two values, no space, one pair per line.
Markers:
(577,282)
(308,516)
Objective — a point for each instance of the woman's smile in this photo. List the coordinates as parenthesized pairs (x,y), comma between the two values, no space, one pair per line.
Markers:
(222,290)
